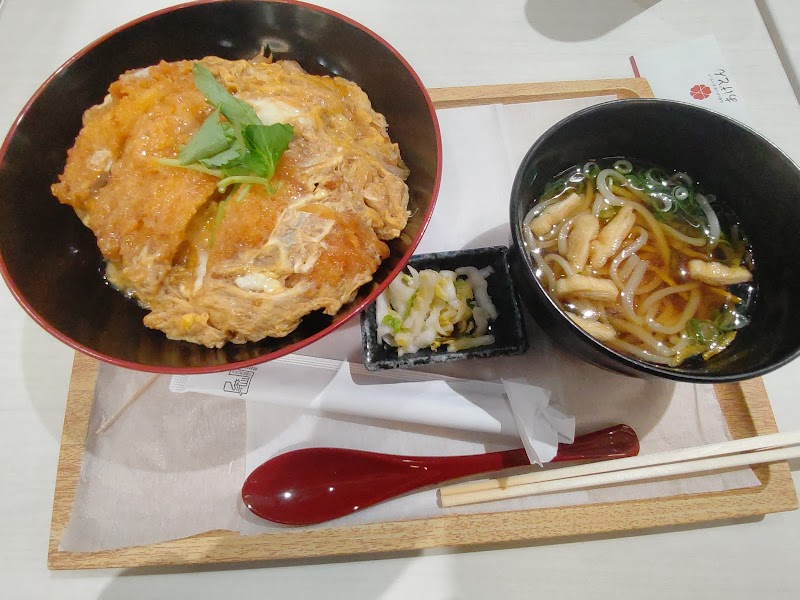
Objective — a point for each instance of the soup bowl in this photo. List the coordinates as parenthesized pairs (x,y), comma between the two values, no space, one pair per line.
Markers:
(740,167)
(51,262)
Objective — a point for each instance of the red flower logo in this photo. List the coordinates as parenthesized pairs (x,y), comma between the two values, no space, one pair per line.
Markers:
(700,92)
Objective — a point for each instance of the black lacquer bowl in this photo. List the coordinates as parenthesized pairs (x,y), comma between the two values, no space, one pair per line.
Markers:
(740,167)
(51,261)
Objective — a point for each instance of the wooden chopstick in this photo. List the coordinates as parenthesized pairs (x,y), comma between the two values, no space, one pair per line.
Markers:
(763,442)
(713,457)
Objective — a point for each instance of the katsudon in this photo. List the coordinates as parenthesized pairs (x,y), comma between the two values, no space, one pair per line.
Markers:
(232,198)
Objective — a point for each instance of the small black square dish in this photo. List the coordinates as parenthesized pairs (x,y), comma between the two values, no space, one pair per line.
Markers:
(508,328)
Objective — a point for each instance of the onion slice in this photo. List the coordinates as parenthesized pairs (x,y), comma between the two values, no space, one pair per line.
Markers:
(713,222)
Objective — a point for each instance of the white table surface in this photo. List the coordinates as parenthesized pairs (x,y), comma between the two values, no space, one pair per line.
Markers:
(782,18)
(449,44)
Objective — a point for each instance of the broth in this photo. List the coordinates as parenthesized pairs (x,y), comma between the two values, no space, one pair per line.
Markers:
(643,260)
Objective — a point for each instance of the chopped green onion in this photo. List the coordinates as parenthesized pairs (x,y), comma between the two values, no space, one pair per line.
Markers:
(662,202)
(656,178)
(591,169)
(554,189)
(680,193)
(704,332)
(577,177)
(623,166)
(607,212)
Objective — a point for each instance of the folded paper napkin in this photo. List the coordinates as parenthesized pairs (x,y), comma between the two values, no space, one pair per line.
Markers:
(541,425)
(172,464)
(400,396)
(326,386)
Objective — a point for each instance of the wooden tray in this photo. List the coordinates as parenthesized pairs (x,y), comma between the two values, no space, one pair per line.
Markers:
(745,406)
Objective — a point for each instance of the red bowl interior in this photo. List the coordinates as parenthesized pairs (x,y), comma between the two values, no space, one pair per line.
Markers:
(50,261)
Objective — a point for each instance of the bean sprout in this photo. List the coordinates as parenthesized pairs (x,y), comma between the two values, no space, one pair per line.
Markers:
(623,166)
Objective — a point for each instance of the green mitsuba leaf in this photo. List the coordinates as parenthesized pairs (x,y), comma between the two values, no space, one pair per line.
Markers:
(209,140)
(226,158)
(236,111)
(266,144)
(239,146)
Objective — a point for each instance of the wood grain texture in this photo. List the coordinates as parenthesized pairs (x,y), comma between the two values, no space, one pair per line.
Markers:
(745,406)
(517,93)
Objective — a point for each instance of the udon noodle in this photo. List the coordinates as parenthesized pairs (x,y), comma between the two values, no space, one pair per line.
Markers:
(642,260)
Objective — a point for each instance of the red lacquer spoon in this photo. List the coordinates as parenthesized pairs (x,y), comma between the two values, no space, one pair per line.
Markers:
(313,485)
